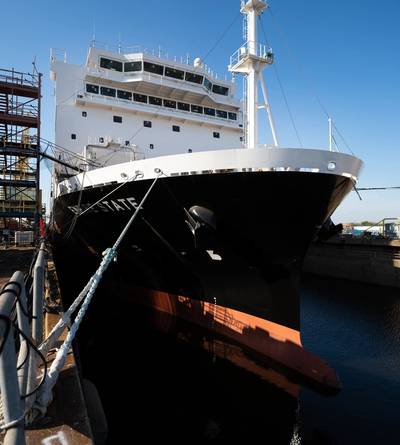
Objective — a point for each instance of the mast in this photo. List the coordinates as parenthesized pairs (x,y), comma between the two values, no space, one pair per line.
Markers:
(251,59)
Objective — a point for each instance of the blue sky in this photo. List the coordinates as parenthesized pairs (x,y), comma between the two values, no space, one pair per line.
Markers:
(346,53)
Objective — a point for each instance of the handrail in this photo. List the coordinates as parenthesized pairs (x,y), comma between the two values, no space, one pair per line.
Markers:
(12,409)
(260,50)
(158,53)
(18,374)
(12,76)
(38,292)
(382,221)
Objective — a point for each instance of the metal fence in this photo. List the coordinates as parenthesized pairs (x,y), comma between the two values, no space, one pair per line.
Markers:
(21,331)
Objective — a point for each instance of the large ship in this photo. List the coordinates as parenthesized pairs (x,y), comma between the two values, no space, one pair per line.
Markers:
(221,238)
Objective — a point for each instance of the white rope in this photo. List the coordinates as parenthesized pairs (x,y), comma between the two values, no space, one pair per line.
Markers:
(65,320)
(12,423)
(45,394)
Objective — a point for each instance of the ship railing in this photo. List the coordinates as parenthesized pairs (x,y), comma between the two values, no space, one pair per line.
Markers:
(120,49)
(112,150)
(19,78)
(58,54)
(158,53)
(21,331)
(72,159)
(249,48)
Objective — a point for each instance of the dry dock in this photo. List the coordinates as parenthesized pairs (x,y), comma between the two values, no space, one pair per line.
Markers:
(66,420)
(374,261)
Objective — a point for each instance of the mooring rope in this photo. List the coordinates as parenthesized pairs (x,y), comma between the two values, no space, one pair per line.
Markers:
(45,395)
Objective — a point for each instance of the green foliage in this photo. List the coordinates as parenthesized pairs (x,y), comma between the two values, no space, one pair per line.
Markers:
(367,223)
(363,223)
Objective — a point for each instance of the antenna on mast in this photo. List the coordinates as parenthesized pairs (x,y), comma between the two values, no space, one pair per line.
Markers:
(94,32)
(119,43)
(250,60)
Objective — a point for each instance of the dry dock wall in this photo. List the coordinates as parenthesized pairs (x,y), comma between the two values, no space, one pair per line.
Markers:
(365,260)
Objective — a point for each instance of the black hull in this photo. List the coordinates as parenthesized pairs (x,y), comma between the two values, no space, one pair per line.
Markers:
(264,223)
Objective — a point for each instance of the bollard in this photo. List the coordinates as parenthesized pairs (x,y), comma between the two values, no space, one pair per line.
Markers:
(12,407)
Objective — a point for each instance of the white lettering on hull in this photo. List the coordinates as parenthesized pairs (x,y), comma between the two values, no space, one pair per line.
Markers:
(129,203)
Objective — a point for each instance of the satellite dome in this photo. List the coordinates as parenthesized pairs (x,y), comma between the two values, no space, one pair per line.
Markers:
(198,62)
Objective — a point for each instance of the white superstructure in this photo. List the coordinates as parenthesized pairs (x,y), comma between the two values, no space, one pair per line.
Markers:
(171,116)
(120,107)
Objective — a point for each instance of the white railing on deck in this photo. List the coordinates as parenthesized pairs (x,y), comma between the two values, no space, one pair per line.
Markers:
(58,54)
(157,53)
(262,51)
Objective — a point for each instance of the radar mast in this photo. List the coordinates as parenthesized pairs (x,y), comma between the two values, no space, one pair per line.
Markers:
(251,59)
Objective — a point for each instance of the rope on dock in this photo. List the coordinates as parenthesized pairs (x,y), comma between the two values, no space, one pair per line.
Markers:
(12,423)
(45,394)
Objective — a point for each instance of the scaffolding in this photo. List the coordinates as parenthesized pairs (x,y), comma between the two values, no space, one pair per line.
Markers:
(20,195)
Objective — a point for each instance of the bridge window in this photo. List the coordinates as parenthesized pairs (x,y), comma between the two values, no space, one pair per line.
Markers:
(151,146)
(155,100)
(196,109)
(84,114)
(117,119)
(153,68)
(176,128)
(232,116)
(127,95)
(169,103)
(194,78)
(110,64)
(216,134)
(105,91)
(207,84)
(132,66)
(209,111)
(140,98)
(184,107)
(90,88)
(176,74)
(73,136)
(221,113)
(218,89)
(147,124)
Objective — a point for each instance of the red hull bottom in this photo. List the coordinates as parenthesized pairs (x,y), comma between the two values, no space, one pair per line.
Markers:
(270,340)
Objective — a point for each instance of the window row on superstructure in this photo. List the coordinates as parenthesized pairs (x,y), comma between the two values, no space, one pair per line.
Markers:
(158,101)
(147,124)
(162,70)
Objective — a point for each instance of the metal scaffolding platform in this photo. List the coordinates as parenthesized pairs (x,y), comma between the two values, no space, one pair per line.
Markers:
(20,195)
